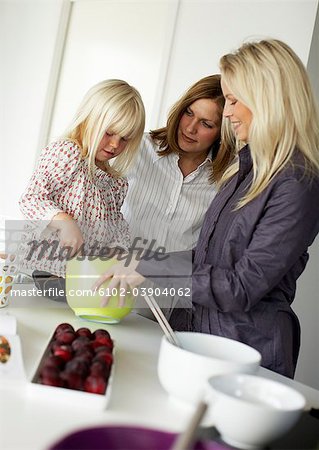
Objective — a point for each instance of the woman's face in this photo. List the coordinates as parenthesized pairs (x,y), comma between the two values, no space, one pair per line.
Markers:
(110,146)
(199,127)
(238,114)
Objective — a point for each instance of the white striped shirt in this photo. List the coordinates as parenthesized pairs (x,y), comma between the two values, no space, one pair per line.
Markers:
(163,205)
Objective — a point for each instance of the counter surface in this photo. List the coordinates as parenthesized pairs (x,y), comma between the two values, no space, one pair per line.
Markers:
(33,423)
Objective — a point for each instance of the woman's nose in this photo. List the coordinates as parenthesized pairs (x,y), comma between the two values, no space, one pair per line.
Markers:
(227,110)
(191,127)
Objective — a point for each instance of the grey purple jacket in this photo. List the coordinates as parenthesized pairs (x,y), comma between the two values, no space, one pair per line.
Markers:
(247,261)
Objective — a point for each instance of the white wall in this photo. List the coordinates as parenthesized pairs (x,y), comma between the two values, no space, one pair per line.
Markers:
(313,60)
(114,39)
(159,46)
(28,34)
(207,29)
(306,306)
(146,49)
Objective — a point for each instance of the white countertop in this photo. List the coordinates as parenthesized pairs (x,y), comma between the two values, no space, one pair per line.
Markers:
(137,396)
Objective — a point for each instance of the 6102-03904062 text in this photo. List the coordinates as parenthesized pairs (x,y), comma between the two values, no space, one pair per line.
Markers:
(141,291)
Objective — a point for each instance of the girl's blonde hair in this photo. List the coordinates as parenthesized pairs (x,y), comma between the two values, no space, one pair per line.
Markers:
(270,79)
(111,105)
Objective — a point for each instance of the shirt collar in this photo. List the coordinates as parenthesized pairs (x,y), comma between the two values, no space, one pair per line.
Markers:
(175,156)
(209,157)
(156,157)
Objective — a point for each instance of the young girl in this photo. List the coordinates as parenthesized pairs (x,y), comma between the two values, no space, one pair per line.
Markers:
(74,196)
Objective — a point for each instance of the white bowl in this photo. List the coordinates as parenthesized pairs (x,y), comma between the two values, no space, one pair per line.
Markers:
(251,411)
(183,372)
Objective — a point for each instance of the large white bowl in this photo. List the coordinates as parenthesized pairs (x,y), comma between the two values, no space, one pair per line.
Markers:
(251,411)
(183,372)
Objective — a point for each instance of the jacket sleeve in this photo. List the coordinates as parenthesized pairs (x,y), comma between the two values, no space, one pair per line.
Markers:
(288,225)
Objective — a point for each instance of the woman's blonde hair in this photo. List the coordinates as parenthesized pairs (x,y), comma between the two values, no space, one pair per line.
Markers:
(109,105)
(272,82)
(166,137)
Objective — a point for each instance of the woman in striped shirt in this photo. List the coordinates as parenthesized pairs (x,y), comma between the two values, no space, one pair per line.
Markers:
(171,183)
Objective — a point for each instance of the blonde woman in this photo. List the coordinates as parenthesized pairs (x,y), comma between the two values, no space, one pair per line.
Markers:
(75,194)
(254,240)
(256,233)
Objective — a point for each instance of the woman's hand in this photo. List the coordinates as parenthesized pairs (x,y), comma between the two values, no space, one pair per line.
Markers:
(122,276)
(69,232)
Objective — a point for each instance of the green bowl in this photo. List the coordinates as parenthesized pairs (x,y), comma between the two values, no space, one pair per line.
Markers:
(81,274)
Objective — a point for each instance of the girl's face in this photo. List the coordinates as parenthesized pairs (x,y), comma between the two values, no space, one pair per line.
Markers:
(199,127)
(110,146)
(238,114)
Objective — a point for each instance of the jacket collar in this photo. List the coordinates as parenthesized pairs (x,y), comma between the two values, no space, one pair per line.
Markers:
(245,161)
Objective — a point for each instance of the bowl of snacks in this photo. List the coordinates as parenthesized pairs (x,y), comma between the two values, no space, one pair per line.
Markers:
(81,274)
(251,411)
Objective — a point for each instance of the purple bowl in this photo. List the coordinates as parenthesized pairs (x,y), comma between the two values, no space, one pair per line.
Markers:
(124,438)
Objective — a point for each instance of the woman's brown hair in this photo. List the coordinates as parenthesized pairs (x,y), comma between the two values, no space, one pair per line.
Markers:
(166,137)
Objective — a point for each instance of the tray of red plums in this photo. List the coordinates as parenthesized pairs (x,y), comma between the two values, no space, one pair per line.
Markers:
(76,364)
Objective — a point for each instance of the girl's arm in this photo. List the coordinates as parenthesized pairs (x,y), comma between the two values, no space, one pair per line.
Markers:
(69,233)
(57,164)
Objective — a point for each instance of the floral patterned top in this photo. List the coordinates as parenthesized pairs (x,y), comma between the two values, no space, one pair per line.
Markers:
(62,183)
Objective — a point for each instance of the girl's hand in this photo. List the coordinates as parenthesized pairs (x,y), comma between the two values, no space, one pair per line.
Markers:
(69,232)
(122,276)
